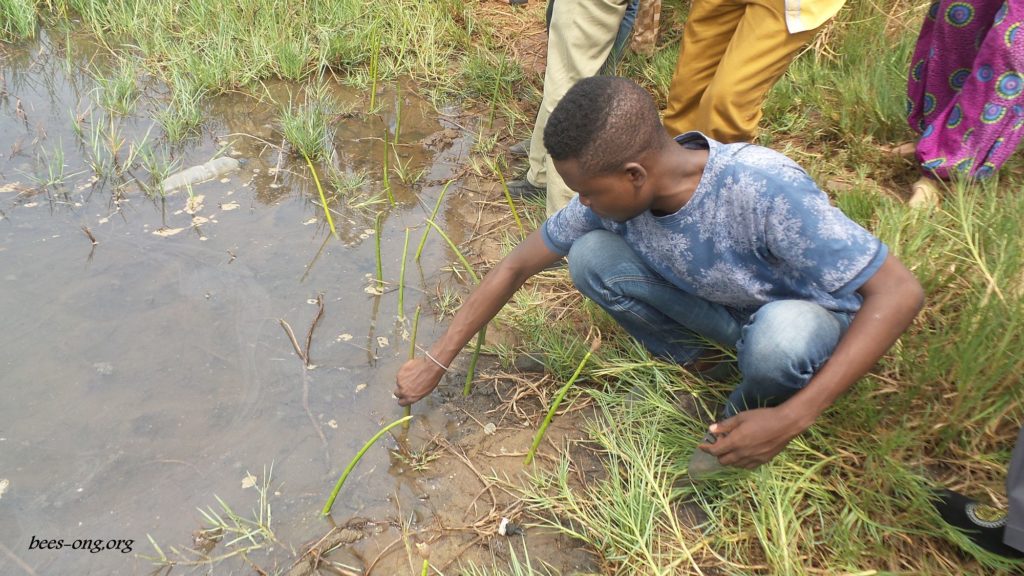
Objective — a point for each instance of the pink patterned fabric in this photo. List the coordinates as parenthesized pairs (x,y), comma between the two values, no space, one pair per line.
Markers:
(965,93)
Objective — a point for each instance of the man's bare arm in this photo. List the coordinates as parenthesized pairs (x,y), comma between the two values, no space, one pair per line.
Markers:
(419,376)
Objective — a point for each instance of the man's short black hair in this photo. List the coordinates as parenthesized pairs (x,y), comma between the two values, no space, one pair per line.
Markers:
(604,122)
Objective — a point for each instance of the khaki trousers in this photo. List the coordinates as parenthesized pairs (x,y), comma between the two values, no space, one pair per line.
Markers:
(732,53)
(580,38)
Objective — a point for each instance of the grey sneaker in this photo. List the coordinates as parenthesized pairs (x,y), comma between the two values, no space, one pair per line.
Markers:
(523,190)
(703,465)
(520,149)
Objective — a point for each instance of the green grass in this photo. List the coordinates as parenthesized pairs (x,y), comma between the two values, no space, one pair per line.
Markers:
(307,127)
(183,114)
(117,91)
(943,407)
(17,19)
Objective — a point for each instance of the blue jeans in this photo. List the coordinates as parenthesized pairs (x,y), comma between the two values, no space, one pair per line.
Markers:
(779,346)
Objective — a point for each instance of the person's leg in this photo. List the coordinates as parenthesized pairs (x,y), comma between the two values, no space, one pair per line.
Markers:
(709,27)
(758,55)
(579,40)
(781,348)
(1013,534)
(671,324)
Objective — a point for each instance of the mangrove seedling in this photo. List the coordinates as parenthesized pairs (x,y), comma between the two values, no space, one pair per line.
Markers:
(351,465)
(433,214)
(558,400)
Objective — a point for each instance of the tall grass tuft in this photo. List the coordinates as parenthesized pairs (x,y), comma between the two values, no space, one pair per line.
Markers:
(307,127)
(184,113)
(118,92)
(17,19)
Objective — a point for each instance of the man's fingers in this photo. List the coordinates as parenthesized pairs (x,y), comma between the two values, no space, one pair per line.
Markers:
(726,426)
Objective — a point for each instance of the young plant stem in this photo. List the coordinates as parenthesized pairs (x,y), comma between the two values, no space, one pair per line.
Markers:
(398,120)
(351,465)
(323,198)
(412,351)
(426,567)
(557,401)
(433,213)
(494,94)
(471,371)
(386,178)
(374,56)
(376,232)
(511,205)
(401,278)
(465,263)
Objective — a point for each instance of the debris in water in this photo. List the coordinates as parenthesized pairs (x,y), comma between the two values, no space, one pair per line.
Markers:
(104,368)
(4,485)
(201,173)
(194,203)
(165,232)
(490,428)
(383,341)
(229,206)
(333,423)
(249,481)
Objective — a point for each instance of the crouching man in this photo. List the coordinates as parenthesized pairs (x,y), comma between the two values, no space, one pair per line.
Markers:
(686,242)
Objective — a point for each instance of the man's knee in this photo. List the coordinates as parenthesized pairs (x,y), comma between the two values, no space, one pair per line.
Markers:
(588,256)
(786,342)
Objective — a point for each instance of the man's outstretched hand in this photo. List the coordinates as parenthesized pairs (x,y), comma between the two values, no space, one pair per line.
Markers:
(417,378)
(753,437)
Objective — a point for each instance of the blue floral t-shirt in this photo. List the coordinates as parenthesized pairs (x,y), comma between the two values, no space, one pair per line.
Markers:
(756,230)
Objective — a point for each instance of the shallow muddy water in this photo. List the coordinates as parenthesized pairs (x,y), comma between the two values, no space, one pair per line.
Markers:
(148,374)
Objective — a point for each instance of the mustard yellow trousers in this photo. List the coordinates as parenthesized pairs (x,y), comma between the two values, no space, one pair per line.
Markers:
(732,53)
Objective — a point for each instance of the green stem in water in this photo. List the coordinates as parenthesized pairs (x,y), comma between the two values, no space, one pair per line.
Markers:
(426,567)
(412,349)
(401,278)
(471,373)
(351,465)
(554,407)
(387,178)
(455,249)
(433,213)
(380,267)
(323,198)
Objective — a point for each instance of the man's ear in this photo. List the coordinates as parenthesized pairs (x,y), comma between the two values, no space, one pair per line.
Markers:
(636,173)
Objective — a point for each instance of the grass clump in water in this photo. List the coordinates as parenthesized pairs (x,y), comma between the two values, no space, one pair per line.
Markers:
(307,127)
